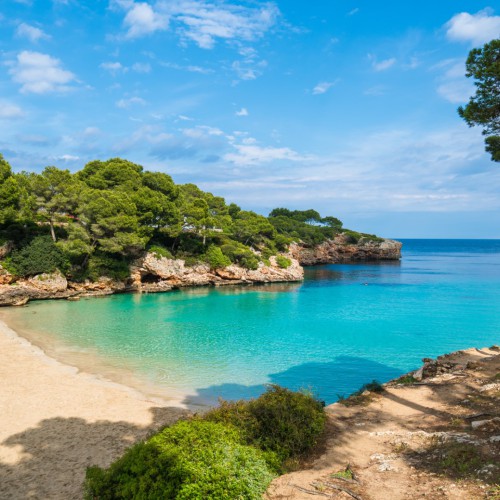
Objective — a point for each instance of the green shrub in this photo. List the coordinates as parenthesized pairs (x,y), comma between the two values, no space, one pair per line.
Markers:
(215,258)
(240,254)
(231,452)
(283,262)
(192,460)
(285,422)
(41,255)
(159,252)
(101,264)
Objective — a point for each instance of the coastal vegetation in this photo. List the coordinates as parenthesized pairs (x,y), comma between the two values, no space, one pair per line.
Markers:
(95,221)
(233,451)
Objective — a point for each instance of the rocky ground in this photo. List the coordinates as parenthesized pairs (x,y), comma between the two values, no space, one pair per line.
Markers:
(434,434)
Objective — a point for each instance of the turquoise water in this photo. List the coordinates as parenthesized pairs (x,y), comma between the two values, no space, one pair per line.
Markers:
(345,325)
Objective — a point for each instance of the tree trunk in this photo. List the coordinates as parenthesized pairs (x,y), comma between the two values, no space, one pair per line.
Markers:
(52,232)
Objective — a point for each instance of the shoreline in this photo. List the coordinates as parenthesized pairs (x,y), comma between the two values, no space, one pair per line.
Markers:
(57,421)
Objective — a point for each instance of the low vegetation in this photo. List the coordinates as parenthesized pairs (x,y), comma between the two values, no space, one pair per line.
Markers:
(231,452)
(363,396)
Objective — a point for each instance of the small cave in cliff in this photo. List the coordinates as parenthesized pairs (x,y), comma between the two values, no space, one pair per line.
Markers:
(150,279)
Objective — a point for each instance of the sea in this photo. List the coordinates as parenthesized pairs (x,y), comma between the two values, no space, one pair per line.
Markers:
(345,325)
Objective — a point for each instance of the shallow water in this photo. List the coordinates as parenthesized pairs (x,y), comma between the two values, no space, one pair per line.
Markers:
(345,325)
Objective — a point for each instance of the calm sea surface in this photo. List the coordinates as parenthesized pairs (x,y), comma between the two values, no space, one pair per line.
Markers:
(345,325)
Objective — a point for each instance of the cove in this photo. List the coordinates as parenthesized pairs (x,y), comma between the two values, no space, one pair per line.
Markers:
(343,326)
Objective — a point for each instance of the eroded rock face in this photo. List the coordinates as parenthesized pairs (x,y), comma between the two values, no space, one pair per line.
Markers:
(342,250)
(158,274)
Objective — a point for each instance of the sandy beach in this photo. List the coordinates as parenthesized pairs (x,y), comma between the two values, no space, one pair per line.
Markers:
(55,421)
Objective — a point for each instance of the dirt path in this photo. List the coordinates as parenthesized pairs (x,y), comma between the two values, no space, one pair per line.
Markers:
(435,439)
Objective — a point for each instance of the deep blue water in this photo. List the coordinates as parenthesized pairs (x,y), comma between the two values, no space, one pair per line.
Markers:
(345,325)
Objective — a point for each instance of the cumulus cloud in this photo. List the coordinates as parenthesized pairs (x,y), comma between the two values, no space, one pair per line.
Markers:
(141,19)
(32,33)
(242,112)
(9,111)
(202,22)
(476,28)
(322,87)
(40,73)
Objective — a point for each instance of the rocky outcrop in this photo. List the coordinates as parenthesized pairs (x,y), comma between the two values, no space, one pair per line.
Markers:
(148,274)
(342,250)
(151,274)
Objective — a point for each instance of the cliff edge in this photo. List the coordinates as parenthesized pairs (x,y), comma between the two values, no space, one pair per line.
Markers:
(342,249)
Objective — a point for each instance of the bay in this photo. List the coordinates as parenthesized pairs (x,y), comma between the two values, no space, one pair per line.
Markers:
(346,324)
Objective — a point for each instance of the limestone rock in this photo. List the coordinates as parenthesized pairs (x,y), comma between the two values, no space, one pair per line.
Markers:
(342,250)
(50,283)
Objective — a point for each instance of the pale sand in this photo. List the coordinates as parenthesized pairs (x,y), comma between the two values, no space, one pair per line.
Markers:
(56,421)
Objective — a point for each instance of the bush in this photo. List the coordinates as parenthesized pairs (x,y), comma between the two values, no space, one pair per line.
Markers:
(283,262)
(101,264)
(240,254)
(215,258)
(41,255)
(231,452)
(189,461)
(285,422)
(159,252)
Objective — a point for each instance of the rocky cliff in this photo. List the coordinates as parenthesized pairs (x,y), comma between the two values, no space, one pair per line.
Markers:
(343,250)
(148,274)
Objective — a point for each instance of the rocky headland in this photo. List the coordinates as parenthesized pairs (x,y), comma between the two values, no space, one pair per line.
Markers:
(153,273)
(342,249)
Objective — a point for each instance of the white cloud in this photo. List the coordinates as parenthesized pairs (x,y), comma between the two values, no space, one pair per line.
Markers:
(114,67)
(9,111)
(353,11)
(32,33)
(322,87)
(242,112)
(141,67)
(452,84)
(476,28)
(141,19)
(202,21)
(252,154)
(67,158)
(456,92)
(126,103)
(40,73)
(382,65)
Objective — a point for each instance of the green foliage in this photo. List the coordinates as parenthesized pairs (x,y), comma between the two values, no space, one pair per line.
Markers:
(159,252)
(110,266)
(240,254)
(216,259)
(41,255)
(306,226)
(231,452)
(192,460)
(283,262)
(359,398)
(112,210)
(406,380)
(280,421)
(483,65)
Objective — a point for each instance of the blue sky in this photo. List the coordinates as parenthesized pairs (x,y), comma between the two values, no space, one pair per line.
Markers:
(345,106)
